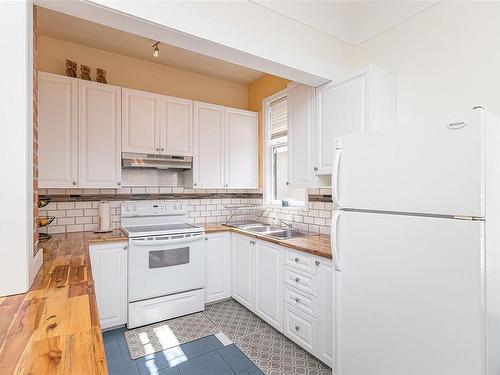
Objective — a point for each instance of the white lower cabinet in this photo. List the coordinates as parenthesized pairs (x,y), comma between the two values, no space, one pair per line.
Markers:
(243,265)
(290,290)
(325,324)
(217,267)
(268,283)
(300,328)
(109,270)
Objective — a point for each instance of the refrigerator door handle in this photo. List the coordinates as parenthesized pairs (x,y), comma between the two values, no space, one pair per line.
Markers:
(333,239)
(335,178)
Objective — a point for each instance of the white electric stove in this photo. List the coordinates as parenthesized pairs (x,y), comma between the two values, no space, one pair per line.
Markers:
(166,262)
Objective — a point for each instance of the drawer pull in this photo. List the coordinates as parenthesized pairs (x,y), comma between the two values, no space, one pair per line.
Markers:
(297,328)
(297,299)
(297,260)
(297,279)
(317,262)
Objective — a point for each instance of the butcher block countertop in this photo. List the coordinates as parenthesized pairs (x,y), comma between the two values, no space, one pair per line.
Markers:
(54,328)
(316,244)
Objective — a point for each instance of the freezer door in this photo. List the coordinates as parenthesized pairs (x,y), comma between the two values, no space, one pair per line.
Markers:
(408,296)
(433,167)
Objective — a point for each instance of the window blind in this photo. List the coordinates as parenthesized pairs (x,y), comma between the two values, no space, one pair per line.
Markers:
(279,120)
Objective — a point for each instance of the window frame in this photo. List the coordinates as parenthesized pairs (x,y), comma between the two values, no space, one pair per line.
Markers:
(267,147)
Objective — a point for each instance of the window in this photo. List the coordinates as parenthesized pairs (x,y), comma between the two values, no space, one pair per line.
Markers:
(278,191)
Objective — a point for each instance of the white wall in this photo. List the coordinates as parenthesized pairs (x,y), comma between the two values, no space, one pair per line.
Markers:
(16,148)
(241,32)
(447,59)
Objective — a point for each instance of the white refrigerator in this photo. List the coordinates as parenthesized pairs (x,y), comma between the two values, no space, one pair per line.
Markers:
(416,244)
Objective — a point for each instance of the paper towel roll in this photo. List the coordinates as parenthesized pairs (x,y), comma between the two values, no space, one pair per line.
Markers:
(104,217)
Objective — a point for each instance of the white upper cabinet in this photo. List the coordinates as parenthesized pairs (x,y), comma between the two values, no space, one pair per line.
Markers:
(58,131)
(301,137)
(365,100)
(157,124)
(99,135)
(208,161)
(140,113)
(242,149)
(176,130)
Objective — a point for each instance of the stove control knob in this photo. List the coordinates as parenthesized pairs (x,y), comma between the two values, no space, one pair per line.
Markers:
(180,207)
(175,207)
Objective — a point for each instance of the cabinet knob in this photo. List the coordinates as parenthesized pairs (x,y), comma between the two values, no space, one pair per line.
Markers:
(297,328)
(317,263)
(297,279)
(315,168)
(297,260)
(252,242)
(157,149)
(287,183)
(74,182)
(125,247)
(297,299)
(195,184)
(162,149)
(118,183)
(226,185)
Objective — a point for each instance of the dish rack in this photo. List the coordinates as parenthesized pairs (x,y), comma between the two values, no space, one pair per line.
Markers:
(44,221)
(244,213)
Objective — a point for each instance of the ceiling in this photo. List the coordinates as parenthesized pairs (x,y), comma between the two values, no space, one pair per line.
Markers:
(75,30)
(352,22)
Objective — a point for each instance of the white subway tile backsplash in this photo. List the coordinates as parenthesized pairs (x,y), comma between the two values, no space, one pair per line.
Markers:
(74,213)
(84,220)
(65,205)
(83,205)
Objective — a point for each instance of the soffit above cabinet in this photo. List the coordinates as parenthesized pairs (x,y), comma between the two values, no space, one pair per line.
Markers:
(75,30)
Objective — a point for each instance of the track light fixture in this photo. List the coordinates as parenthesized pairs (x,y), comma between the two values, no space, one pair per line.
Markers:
(156,51)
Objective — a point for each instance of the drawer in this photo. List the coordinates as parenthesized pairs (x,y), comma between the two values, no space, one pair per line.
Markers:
(301,280)
(300,328)
(300,300)
(300,261)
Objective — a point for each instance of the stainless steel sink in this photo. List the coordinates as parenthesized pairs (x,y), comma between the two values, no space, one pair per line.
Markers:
(272,231)
(285,234)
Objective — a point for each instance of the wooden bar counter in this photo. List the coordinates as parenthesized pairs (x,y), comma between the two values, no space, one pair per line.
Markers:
(54,328)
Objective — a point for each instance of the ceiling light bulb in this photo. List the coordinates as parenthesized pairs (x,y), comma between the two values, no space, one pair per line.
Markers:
(156,52)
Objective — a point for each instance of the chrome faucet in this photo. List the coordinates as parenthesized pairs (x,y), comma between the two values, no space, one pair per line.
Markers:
(286,224)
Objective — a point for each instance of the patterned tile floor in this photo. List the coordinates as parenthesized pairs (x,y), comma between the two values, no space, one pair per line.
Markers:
(270,350)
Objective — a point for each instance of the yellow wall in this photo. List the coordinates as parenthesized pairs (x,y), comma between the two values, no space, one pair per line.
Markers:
(141,75)
(257,91)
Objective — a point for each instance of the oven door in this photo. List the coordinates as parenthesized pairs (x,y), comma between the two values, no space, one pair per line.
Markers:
(163,265)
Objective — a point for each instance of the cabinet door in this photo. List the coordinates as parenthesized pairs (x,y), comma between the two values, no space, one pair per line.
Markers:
(269,284)
(218,267)
(325,320)
(99,135)
(242,149)
(341,110)
(243,259)
(301,137)
(141,122)
(208,161)
(109,270)
(57,131)
(176,129)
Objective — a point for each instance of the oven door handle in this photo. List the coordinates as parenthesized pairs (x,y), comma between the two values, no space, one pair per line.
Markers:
(146,242)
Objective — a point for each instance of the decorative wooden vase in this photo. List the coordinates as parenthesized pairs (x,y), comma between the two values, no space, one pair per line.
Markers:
(71,68)
(85,72)
(101,76)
